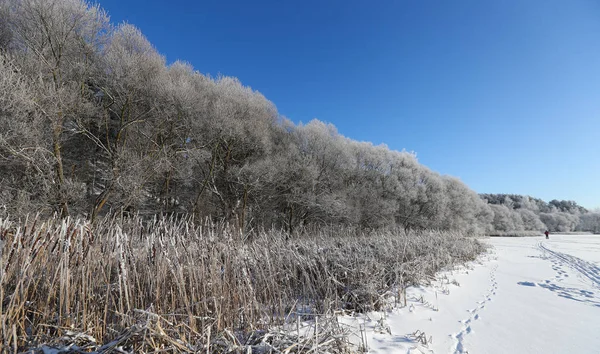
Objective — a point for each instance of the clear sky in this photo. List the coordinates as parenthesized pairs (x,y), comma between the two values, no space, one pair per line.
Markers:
(502,94)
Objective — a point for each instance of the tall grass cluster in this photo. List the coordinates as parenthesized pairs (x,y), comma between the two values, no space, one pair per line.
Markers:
(196,283)
(515,233)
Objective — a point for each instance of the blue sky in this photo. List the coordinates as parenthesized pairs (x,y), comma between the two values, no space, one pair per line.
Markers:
(502,94)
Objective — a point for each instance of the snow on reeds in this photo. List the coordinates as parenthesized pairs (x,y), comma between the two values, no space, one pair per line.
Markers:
(136,285)
(520,233)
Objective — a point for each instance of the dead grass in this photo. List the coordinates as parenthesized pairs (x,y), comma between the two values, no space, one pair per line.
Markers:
(134,285)
(515,234)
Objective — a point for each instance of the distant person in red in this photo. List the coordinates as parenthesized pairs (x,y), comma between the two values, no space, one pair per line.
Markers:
(546,233)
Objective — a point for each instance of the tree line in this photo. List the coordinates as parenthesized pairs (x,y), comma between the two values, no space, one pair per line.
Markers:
(93,120)
(523,213)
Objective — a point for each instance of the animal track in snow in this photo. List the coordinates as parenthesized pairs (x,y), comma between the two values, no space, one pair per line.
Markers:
(459,347)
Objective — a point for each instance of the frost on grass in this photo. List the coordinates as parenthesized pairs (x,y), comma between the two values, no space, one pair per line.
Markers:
(143,285)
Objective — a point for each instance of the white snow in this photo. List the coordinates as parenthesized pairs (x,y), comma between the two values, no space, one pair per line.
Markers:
(527,295)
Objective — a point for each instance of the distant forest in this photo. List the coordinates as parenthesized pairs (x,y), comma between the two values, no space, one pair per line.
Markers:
(94,121)
(521,213)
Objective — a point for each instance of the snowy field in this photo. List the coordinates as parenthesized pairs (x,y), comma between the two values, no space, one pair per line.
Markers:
(527,295)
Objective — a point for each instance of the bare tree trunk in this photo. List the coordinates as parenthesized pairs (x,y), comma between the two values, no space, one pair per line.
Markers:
(165,191)
(205,184)
(244,204)
(100,202)
(60,175)
(290,220)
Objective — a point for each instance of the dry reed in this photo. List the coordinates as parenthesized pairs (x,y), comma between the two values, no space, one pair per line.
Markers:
(135,285)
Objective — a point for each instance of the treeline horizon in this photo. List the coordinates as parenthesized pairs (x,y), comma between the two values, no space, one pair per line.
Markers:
(514,212)
(92,120)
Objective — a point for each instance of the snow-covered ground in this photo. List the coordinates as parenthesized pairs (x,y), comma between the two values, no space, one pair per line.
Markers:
(528,295)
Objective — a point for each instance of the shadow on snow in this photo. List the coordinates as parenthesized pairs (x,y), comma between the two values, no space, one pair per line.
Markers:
(574,294)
